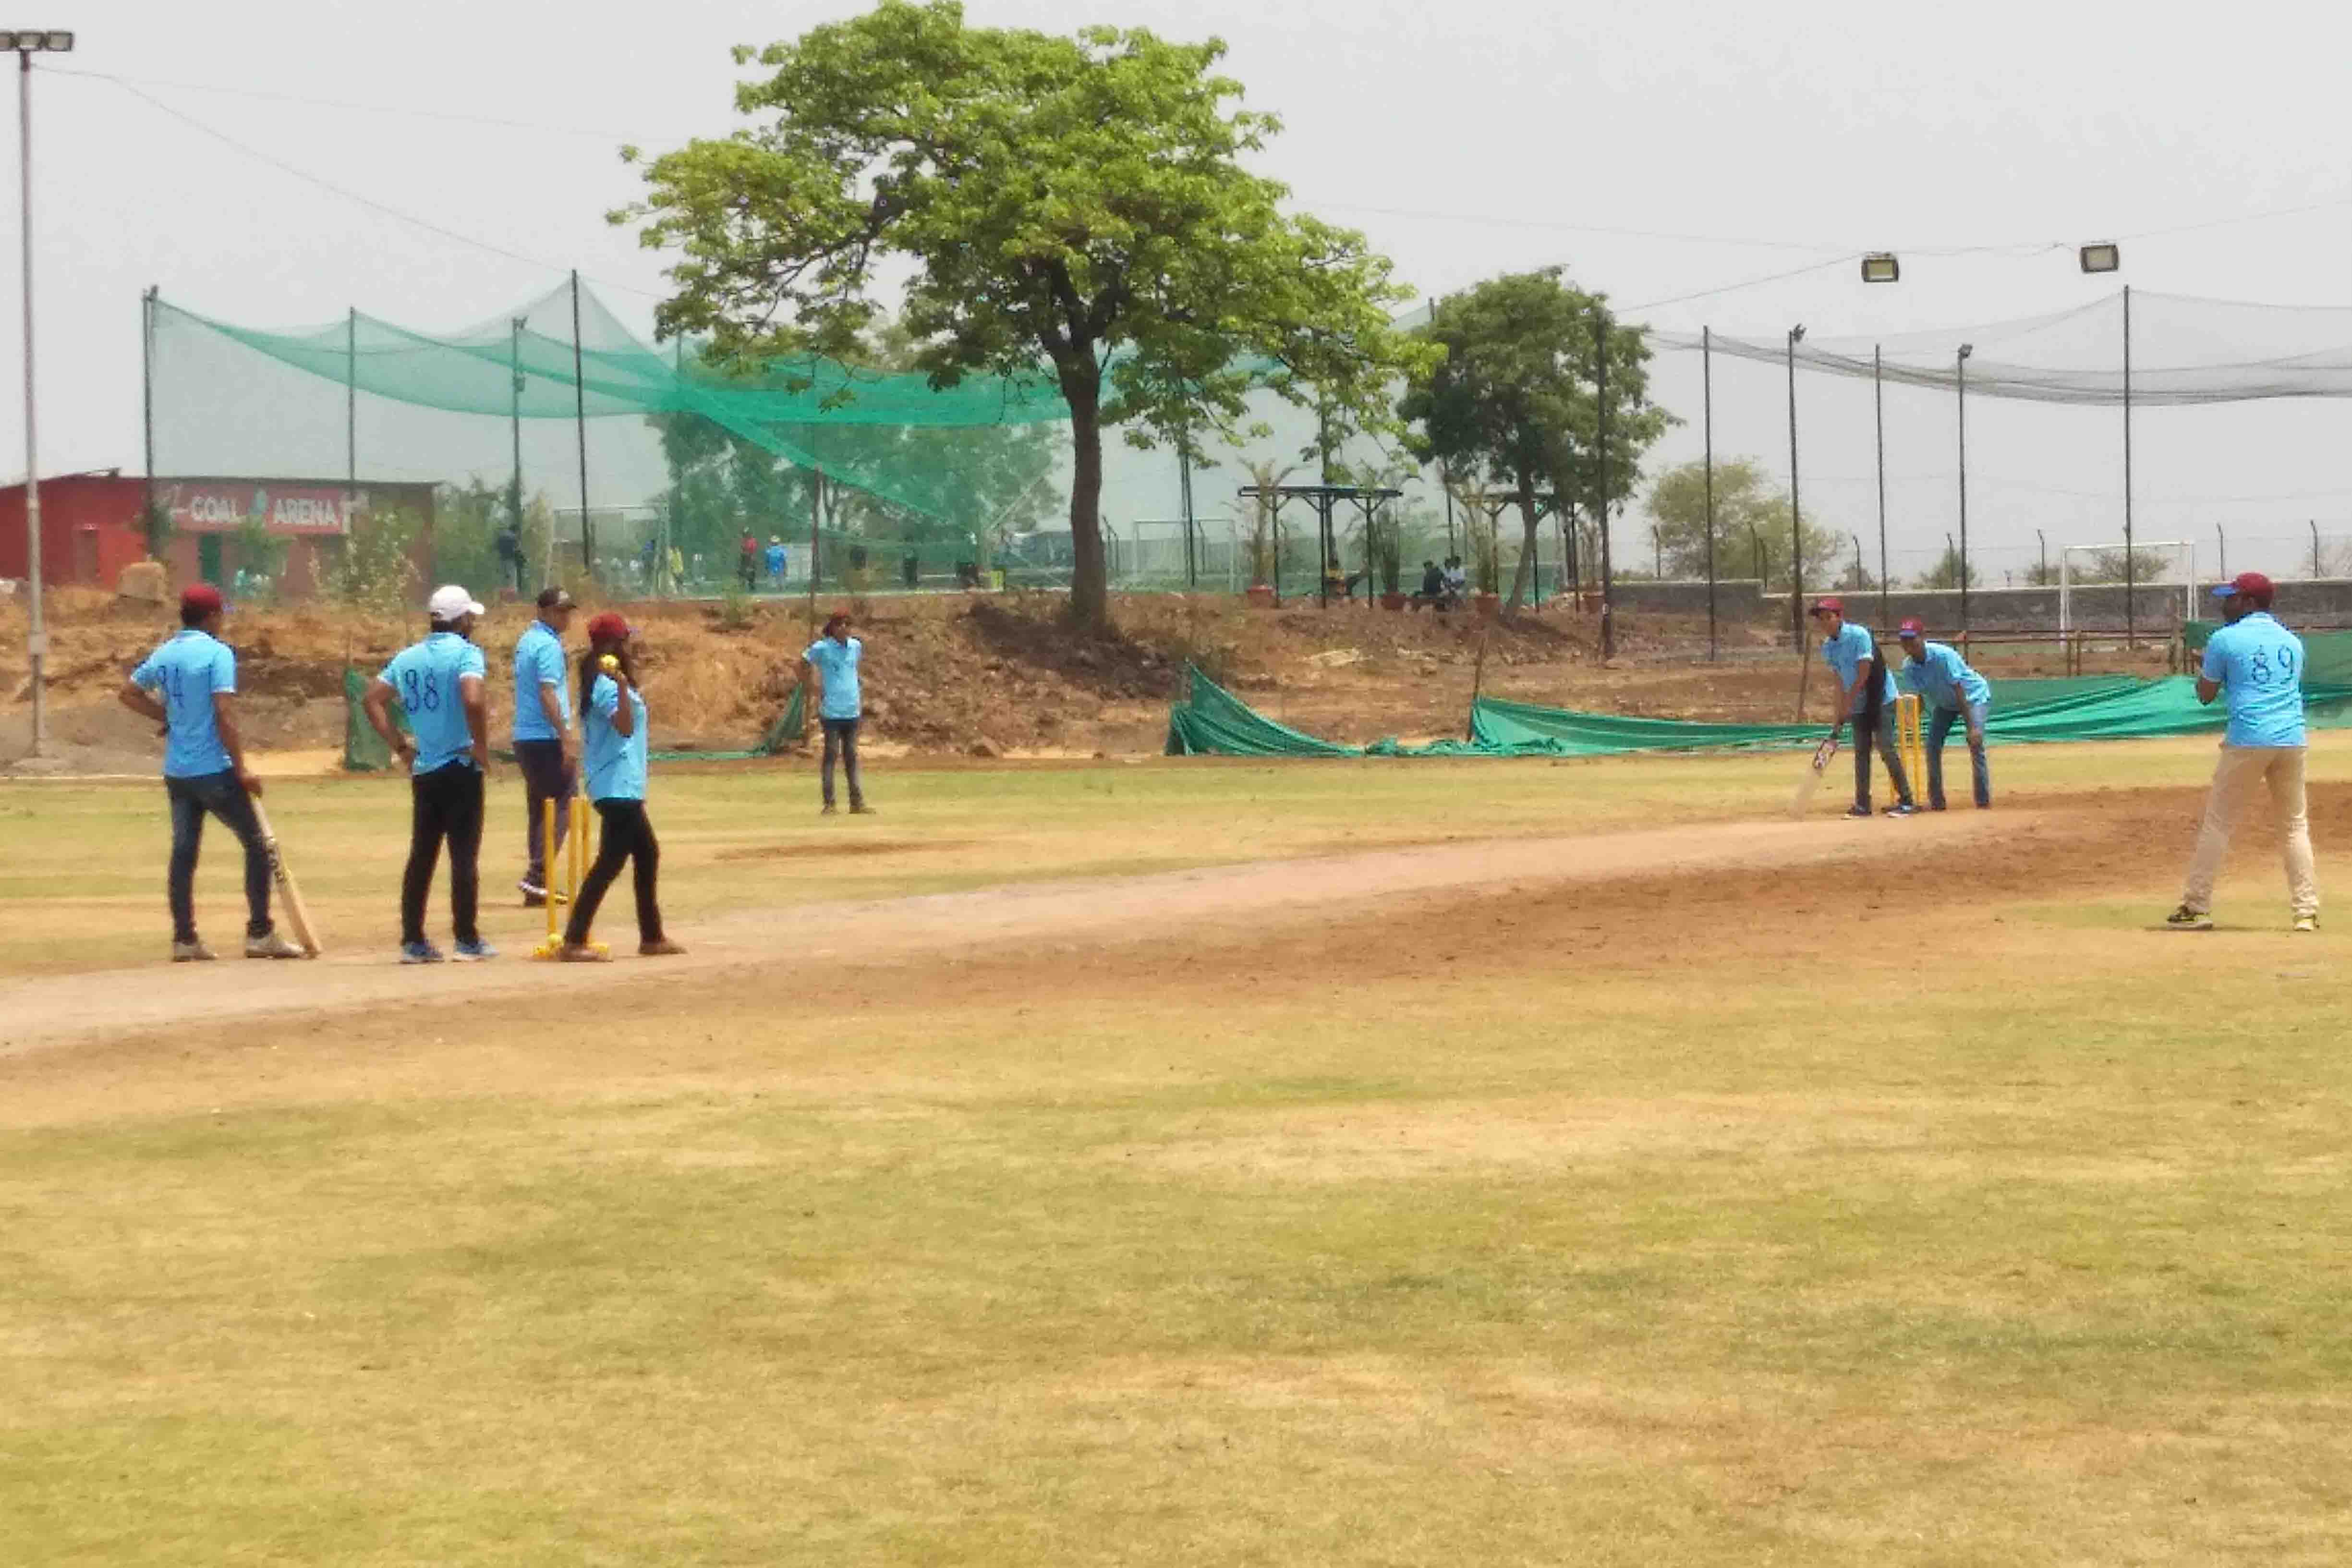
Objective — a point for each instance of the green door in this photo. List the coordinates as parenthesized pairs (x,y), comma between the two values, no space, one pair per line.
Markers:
(208,558)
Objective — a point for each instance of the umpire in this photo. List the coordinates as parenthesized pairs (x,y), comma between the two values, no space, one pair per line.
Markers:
(546,751)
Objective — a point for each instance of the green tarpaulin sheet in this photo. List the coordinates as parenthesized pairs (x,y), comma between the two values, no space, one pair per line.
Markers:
(1215,723)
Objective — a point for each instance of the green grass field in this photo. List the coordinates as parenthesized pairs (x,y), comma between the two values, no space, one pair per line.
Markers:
(1922,1209)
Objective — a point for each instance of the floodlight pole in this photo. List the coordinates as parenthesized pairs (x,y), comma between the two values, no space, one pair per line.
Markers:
(1878,407)
(2130,620)
(1600,450)
(147,528)
(2313,525)
(1706,401)
(1961,387)
(1795,515)
(37,644)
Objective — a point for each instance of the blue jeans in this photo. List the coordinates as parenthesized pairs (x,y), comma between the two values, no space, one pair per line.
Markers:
(1939,727)
(218,795)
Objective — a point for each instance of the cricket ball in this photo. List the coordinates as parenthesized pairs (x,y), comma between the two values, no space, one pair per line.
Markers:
(610,663)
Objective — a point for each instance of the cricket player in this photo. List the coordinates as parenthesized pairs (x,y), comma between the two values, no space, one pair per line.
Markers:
(546,753)
(835,656)
(440,684)
(1851,653)
(189,686)
(2256,664)
(1952,692)
(613,725)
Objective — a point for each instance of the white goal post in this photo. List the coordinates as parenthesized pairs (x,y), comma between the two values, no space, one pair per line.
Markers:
(2178,575)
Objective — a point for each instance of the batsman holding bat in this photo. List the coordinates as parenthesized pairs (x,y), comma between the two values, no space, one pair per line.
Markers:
(1868,704)
(189,686)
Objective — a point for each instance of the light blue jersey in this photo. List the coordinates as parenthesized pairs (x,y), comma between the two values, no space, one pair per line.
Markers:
(1847,653)
(2260,665)
(614,763)
(186,672)
(775,561)
(1941,676)
(837,663)
(425,677)
(539,662)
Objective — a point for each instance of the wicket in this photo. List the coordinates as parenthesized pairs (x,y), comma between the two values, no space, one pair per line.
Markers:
(1910,741)
(564,875)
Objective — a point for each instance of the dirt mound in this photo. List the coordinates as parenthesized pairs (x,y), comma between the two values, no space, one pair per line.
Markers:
(991,675)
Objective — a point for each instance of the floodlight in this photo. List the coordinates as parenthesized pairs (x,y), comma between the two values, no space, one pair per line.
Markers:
(8,40)
(1967,349)
(1880,266)
(57,43)
(2106,257)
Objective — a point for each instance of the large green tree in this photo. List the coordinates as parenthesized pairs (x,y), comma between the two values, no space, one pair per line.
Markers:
(1078,204)
(1751,525)
(1516,397)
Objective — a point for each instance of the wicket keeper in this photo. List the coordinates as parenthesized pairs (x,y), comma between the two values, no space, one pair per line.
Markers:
(1869,702)
(2256,664)
(1945,682)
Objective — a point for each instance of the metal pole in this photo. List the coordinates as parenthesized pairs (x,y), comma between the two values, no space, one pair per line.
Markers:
(1857,568)
(816,523)
(2223,540)
(1796,516)
(1706,401)
(1960,386)
(37,644)
(579,422)
(2130,571)
(351,403)
(147,528)
(1185,484)
(2044,544)
(1600,497)
(2314,524)
(1879,406)
(514,419)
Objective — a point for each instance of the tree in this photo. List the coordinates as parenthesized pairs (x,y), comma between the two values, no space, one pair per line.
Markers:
(1516,396)
(2107,566)
(1079,201)
(1751,523)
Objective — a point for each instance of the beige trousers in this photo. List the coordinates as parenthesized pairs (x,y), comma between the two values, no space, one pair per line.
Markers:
(2234,777)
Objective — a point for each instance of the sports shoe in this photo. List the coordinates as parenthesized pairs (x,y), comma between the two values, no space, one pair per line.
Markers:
(191,952)
(581,953)
(1863,812)
(2185,919)
(2305,922)
(270,944)
(534,897)
(1901,808)
(474,952)
(660,947)
(863,810)
(826,809)
(421,952)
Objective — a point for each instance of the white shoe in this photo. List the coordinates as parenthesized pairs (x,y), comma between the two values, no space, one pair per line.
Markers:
(2305,922)
(271,945)
(191,952)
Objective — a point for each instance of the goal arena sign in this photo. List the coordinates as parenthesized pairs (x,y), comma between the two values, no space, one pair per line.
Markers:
(223,506)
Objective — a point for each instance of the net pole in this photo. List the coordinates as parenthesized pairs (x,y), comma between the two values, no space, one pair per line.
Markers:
(2131,622)
(580,425)
(147,419)
(514,422)
(1961,390)
(1796,535)
(1878,413)
(37,644)
(2313,524)
(1601,453)
(350,409)
(816,527)
(1184,488)
(1707,420)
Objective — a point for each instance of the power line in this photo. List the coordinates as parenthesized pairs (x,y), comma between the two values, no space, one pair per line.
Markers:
(407,110)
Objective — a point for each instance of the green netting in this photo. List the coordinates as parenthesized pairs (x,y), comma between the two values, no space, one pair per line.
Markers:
(1212,721)
(364,750)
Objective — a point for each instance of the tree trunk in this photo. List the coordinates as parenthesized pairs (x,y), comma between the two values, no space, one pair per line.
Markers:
(1090,575)
(1519,577)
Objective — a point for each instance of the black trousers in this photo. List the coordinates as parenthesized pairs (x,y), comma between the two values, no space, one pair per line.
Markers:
(841,742)
(219,794)
(629,836)
(544,778)
(444,803)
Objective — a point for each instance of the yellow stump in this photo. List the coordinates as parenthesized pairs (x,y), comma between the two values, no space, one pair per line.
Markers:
(1911,741)
(566,872)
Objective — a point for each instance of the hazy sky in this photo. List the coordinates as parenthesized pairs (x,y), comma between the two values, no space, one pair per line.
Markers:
(1657,150)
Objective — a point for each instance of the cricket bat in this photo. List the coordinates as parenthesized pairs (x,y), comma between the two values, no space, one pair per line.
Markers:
(1813,773)
(288,896)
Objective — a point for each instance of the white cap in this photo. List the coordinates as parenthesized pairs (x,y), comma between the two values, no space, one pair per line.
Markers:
(450,601)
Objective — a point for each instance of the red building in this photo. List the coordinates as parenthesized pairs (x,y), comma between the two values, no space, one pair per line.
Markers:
(90,527)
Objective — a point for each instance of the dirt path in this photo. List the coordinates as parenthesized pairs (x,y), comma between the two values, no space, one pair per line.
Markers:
(56,1010)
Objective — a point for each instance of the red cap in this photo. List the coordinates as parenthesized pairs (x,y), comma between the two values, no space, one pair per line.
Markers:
(2253,585)
(838,617)
(608,626)
(201,597)
(1830,605)
(1911,626)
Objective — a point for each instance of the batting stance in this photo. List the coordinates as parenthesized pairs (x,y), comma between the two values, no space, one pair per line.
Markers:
(1852,654)
(2256,664)
(1944,682)
(439,683)
(189,686)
